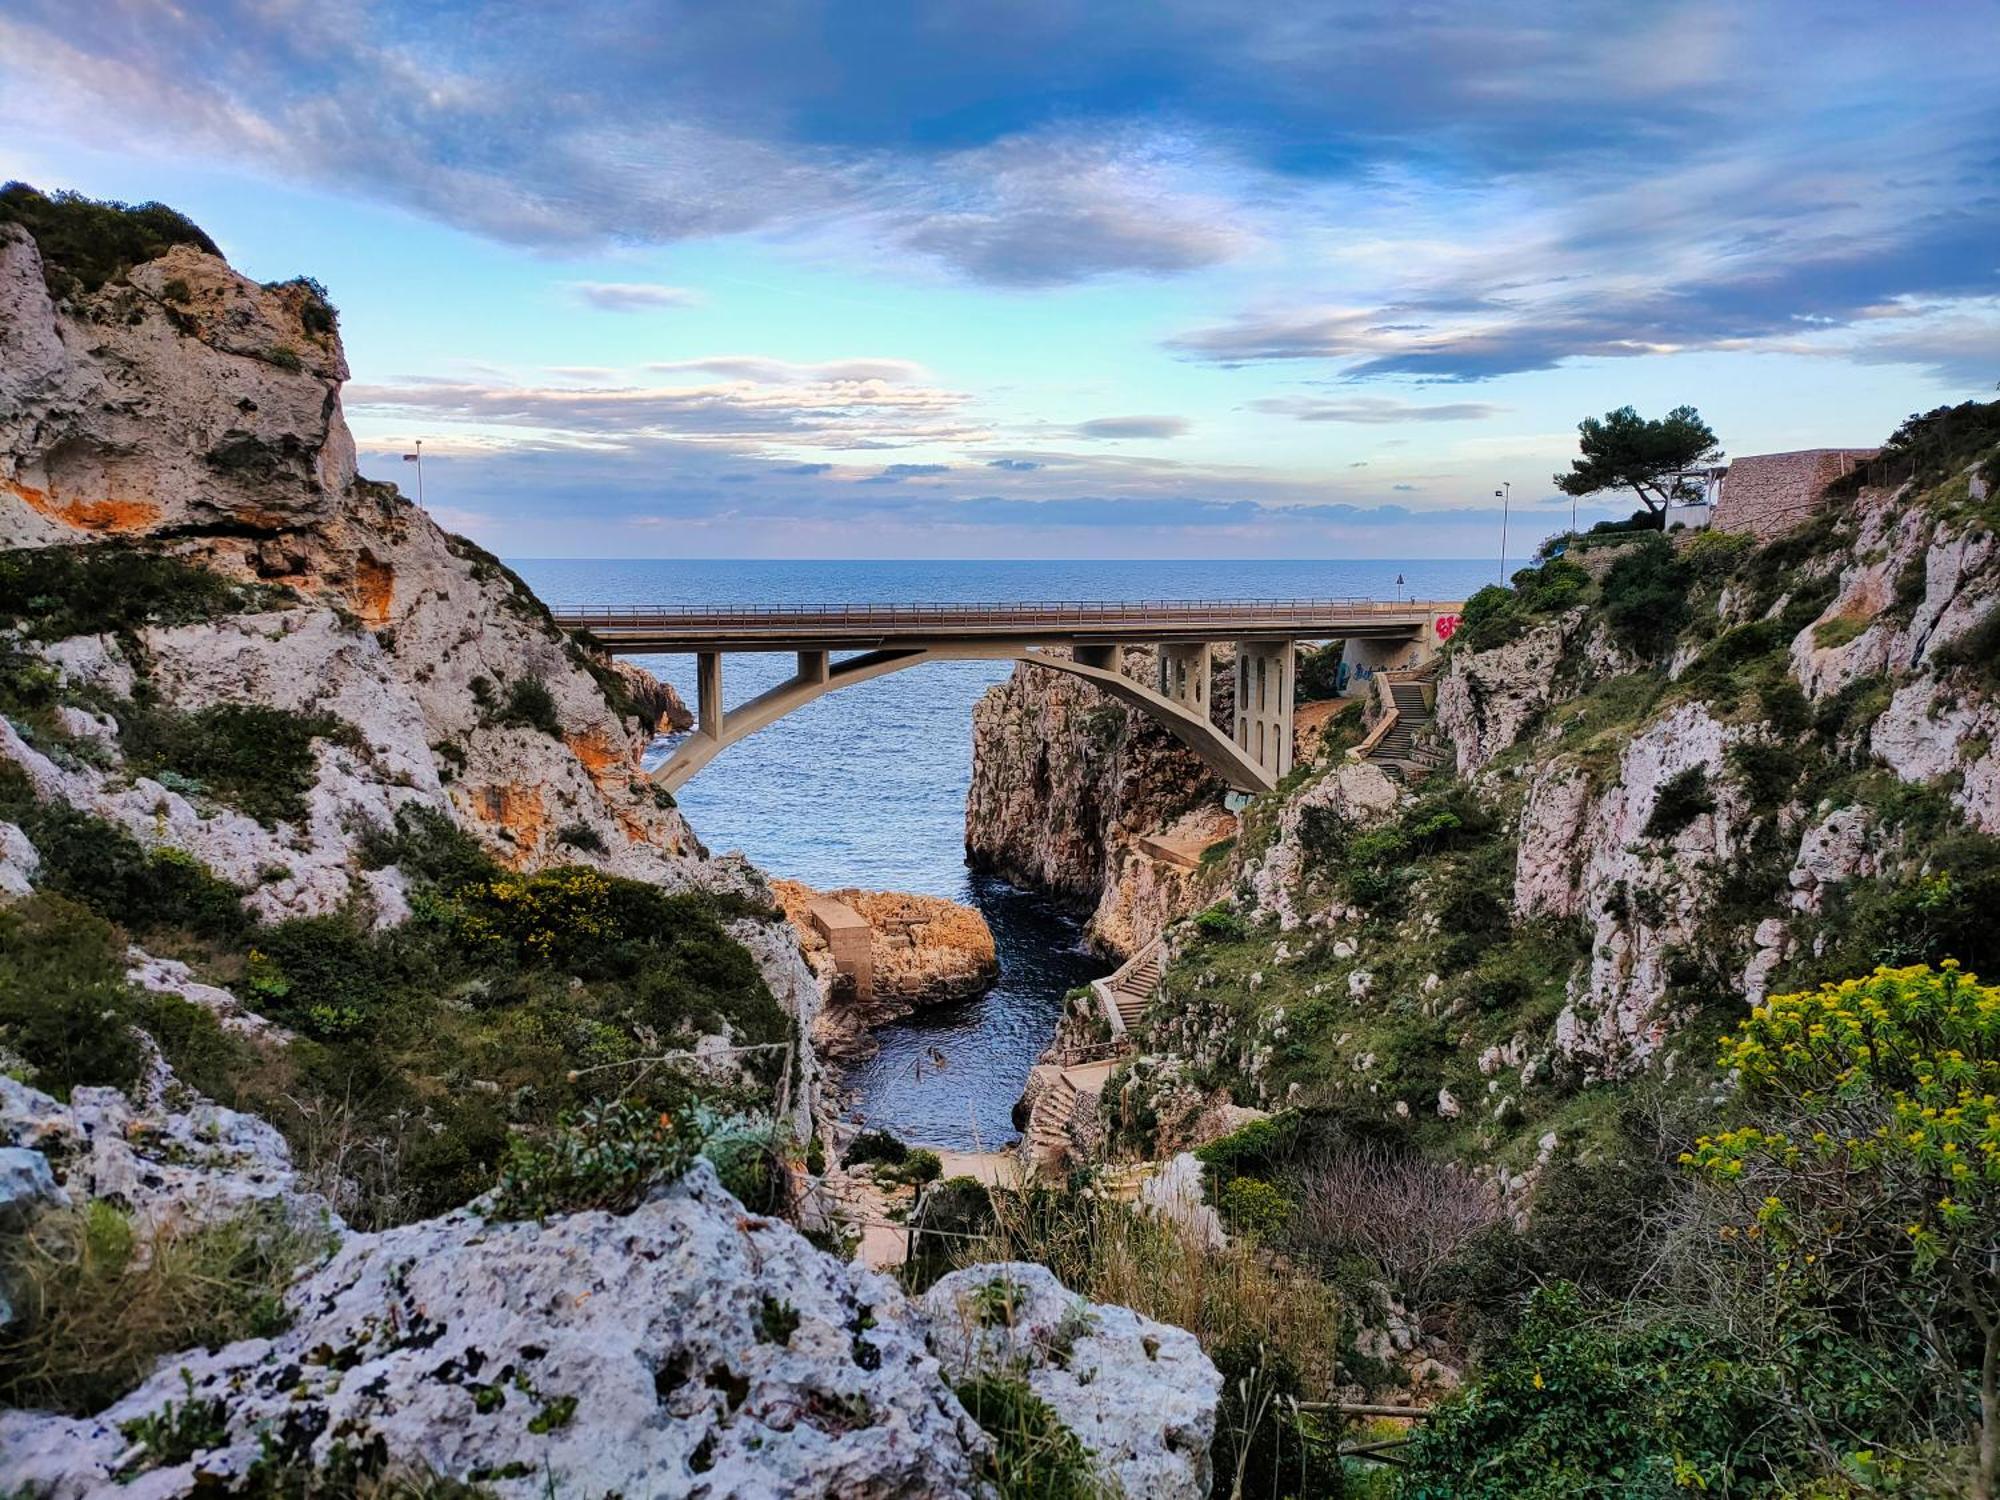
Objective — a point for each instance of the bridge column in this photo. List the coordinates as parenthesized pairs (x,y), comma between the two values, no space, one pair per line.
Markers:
(814,666)
(708,693)
(1107,658)
(1185,669)
(1266,680)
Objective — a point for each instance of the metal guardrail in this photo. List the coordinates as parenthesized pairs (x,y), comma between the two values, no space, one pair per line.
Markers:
(1036,612)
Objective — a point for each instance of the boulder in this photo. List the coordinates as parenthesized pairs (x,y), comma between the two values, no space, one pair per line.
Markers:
(1140,1395)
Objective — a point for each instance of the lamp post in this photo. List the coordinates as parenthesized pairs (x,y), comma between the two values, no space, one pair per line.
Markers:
(417,458)
(1505,495)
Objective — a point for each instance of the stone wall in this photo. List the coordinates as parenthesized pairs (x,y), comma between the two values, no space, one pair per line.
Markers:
(1768,494)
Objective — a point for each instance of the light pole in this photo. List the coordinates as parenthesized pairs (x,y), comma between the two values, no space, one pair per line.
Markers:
(417,458)
(1505,495)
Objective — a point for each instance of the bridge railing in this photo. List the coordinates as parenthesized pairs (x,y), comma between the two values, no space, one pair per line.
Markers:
(1059,612)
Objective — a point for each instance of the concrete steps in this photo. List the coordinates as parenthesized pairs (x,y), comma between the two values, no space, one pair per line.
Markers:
(1048,1121)
(1134,990)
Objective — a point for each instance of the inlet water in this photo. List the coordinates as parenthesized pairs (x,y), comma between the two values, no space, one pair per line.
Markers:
(867,786)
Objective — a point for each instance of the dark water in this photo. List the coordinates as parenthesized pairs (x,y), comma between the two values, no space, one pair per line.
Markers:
(867,786)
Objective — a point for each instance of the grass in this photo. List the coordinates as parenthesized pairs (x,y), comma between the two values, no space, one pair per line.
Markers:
(1034,1456)
(98,1304)
(257,759)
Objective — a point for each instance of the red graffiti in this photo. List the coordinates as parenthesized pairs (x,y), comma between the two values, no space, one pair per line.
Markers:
(1446,627)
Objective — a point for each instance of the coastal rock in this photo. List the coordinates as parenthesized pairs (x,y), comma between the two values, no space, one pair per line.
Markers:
(687,1348)
(1140,1395)
(661,710)
(921,951)
(1066,782)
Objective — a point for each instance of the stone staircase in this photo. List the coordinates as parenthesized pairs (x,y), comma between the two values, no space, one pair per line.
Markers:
(1401,749)
(1048,1121)
(1128,990)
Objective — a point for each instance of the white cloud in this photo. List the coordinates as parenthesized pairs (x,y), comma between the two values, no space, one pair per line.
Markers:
(633,296)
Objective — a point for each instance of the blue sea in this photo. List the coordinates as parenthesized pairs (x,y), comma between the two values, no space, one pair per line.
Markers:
(867,786)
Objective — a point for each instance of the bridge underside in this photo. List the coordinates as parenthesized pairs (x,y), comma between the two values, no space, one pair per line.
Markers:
(1253,760)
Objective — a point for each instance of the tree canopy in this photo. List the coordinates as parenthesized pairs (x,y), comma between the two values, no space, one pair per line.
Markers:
(1623,450)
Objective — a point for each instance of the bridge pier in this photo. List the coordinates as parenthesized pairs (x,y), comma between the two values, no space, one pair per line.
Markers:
(1106,658)
(708,694)
(1266,678)
(1185,670)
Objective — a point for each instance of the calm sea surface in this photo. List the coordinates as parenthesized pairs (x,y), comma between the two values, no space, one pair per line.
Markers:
(867,786)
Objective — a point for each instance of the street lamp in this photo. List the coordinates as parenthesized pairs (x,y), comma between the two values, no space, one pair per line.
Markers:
(1505,495)
(417,458)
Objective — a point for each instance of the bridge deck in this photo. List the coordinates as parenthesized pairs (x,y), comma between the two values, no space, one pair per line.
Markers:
(870,626)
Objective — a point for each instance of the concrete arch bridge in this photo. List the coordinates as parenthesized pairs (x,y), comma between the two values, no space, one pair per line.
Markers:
(892,637)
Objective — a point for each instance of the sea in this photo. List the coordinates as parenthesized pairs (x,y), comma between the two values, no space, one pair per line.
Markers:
(867,786)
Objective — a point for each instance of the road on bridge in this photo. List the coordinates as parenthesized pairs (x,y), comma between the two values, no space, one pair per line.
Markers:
(863,627)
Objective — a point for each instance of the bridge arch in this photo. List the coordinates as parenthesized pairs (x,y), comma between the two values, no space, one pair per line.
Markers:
(818,674)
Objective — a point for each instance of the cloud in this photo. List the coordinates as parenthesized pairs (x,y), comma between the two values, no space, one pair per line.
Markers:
(765,370)
(633,296)
(1100,429)
(1013,465)
(802,471)
(1374,410)
(1402,487)
(810,410)
(897,473)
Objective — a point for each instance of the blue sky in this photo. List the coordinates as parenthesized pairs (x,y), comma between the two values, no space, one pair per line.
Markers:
(1184,279)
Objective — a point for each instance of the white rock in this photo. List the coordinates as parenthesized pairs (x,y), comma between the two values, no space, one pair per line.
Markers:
(27,1186)
(18,862)
(1140,1395)
(688,1348)
(1176,1193)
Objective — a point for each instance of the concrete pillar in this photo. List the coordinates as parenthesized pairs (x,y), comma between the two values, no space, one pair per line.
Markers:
(814,666)
(1184,673)
(708,693)
(1266,682)
(1104,657)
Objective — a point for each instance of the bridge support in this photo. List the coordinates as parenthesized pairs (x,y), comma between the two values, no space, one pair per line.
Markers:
(1266,677)
(1106,658)
(1185,670)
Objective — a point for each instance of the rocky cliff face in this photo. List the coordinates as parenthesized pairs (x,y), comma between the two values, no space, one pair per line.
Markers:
(1065,784)
(187,407)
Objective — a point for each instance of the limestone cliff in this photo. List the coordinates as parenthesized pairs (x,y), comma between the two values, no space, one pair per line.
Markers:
(184,406)
(1066,783)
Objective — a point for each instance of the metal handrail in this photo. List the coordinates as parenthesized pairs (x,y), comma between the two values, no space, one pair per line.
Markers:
(1057,610)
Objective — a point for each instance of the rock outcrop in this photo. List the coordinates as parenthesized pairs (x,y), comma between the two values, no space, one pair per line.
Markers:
(920,951)
(188,408)
(1141,1395)
(1067,783)
(687,1348)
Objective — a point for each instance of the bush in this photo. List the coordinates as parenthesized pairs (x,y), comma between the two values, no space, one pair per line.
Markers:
(529,704)
(1218,924)
(52,593)
(86,243)
(1645,598)
(948,1217)
(323,975)
(1491,617)
(1682,798)
(1319,674)
(607,1156)
(1409,1214)
(96,1306)
(254,758)
(65,1008)
(105,869)
(429,849)
(878,1146)
(1250,1205)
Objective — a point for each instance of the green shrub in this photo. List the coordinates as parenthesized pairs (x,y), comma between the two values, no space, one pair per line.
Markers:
(254,758)
(752,1164)
(177,1431)
(1264,1446)
(1492,617)
(1945,912)
(323,975)
(1250,1205)
(429,849)
(1713,555)
(1646,598)
(1768,772)
(1976,647)
(65,1008)
(528,704)
(1319,673)
(1682,798)
(948,1216)
(1218,924)
(104,868)
(876,1146)
(86,243)
(1255,1146)
(607,1156)
(52,593)
(1034,1456)
(1577,1403)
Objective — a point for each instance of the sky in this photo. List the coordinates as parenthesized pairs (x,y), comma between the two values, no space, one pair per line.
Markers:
(1059,278)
